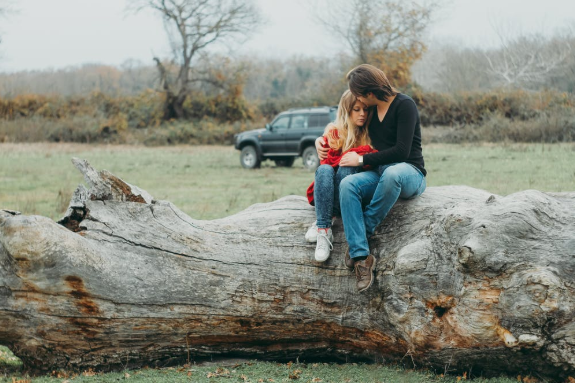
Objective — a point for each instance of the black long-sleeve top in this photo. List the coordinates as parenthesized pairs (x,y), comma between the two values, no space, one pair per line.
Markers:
(398,137)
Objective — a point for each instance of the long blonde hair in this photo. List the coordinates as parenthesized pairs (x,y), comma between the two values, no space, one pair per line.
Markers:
(348,134)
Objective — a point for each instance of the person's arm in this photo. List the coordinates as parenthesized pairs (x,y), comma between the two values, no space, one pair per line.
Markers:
(321,150)
(319,143)
(406,120)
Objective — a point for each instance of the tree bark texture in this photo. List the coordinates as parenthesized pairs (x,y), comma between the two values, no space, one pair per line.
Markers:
(465,280)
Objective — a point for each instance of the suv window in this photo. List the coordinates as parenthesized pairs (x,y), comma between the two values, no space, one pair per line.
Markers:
(314,120)
(319,120)
(324,119)
(299,121)
(281,123)
(332,115)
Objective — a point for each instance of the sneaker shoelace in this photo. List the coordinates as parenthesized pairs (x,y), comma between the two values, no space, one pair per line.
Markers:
(321,244)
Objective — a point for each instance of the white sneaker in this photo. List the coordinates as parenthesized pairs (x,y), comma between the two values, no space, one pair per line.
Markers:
(324,246)
(311,235)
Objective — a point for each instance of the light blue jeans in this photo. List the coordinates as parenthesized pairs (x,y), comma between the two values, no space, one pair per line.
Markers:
(326,192)
(377,191)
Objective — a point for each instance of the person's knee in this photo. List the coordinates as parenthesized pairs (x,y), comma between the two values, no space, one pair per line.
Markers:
(391,175)
(324,170)
(347,186)
(395,174)
(395,171)
(390,179)
(344,171)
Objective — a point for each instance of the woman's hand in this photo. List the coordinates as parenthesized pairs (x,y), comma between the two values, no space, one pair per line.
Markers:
(349,159)
(321,151)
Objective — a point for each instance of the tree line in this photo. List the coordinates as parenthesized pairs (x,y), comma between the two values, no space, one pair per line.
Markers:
(390,40)
(526,78)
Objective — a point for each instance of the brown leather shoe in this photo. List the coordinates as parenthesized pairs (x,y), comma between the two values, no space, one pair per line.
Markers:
(364,273)
(348,262)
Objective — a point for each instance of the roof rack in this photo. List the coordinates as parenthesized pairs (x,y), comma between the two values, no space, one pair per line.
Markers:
(309,108)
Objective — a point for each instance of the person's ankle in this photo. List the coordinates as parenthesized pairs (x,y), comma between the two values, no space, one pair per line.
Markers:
(361,258)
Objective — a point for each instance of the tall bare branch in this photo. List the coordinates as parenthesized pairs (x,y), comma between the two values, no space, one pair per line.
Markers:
(527,60)
(193,26)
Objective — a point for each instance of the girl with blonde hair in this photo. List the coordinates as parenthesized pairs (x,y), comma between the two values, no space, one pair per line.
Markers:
(347,134)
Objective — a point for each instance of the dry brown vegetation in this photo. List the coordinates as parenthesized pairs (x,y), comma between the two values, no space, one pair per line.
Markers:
(516,116)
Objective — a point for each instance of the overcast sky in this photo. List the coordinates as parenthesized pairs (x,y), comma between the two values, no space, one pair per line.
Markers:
(61,33)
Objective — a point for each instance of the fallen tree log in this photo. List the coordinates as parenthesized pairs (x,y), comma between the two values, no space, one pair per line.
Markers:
(464,280)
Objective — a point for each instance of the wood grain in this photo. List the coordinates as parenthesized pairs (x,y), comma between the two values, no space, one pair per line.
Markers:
(465,280)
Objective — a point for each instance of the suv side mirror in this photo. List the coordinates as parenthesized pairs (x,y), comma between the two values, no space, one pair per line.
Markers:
(269,127)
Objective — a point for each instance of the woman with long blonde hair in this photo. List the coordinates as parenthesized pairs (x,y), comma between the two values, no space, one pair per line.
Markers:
(347,133)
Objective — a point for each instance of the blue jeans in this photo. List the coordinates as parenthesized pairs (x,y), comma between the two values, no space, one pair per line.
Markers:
(326,192)
(377,191)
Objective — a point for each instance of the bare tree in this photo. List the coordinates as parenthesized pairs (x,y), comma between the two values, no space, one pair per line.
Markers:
(528,61)
(386,33)
(192,26)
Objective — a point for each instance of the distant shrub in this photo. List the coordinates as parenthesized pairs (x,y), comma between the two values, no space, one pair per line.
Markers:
(475,108)
(81,129)
(224,108)
(205,132)
(553,125)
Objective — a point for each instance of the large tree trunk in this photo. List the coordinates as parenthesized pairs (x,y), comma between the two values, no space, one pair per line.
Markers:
(174,102)
(465,280)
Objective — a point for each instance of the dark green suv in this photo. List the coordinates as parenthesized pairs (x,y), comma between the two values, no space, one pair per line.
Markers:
(291,134)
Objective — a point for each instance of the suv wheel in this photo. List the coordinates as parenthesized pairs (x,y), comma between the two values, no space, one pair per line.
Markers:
(285,162)
(249,158)
(310,158)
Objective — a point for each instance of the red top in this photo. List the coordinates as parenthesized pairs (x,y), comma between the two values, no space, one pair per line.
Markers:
(333,158)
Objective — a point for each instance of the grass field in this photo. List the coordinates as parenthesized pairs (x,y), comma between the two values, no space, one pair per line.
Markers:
(257,372)
(208,182)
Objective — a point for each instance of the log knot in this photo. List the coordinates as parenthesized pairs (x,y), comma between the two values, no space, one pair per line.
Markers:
(491,199)
(442,305)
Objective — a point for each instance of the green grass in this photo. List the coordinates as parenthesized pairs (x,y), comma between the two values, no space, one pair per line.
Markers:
(204,181)
(257,371)
(8,362)
(208,182)
(502,169)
